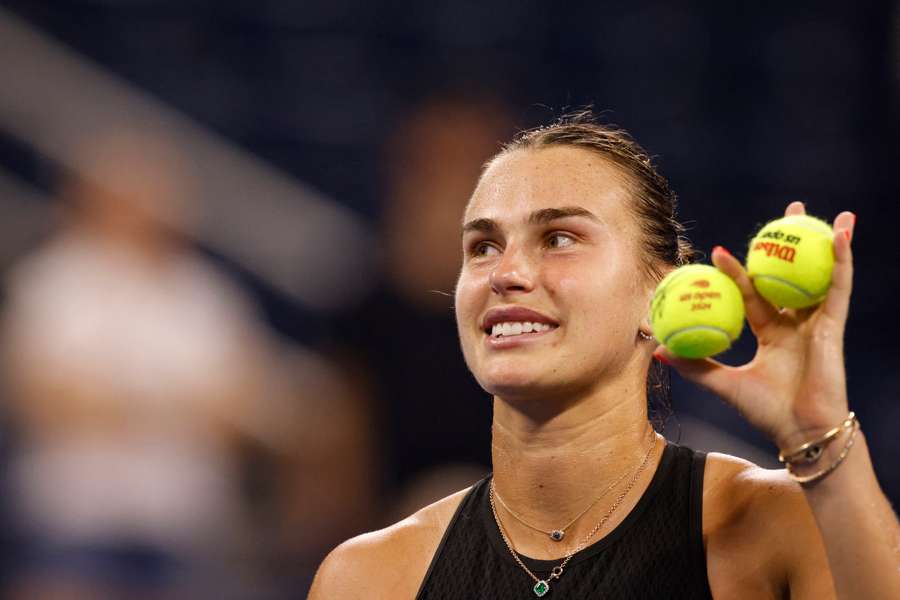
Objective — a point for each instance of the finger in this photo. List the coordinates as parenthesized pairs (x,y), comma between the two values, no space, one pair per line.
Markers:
(759,312)
(795,208)
(711,374)
(837,300)
(845,220)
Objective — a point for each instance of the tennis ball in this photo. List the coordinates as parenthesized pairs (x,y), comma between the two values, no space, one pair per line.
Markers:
(790,261)
(697,311)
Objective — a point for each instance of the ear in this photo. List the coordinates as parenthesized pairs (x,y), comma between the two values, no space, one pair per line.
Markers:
(645,332)
(645,329)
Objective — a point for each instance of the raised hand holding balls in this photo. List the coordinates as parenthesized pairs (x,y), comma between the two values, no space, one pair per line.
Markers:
(795,382)
(697,311)
(790,261)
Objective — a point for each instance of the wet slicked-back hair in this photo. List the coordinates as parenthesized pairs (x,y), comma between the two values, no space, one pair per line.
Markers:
(654,206)
(654,203)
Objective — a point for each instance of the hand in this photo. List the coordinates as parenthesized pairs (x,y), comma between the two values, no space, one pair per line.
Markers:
(795,384)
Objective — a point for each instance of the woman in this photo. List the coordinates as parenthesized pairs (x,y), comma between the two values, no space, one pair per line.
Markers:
(564,239)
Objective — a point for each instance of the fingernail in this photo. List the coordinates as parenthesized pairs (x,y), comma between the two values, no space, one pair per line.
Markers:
(661,358)
(721,249)
(854,218)
(848,235)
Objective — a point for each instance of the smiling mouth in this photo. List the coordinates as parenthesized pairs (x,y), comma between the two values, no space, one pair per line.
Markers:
(515,328)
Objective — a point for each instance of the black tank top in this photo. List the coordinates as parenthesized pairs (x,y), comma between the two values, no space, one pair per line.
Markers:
(655,552)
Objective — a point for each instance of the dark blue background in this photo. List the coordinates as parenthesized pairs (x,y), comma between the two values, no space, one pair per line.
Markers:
(746,106)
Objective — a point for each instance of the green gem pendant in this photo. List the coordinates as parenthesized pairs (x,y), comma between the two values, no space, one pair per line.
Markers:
(541,588)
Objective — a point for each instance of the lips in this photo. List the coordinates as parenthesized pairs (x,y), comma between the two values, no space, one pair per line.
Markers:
(515,314)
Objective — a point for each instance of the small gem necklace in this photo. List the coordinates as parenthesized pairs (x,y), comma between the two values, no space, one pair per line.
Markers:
(557,535)
(542,586)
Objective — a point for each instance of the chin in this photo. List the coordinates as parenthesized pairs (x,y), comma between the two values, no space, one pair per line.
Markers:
(517,379)
(508,381)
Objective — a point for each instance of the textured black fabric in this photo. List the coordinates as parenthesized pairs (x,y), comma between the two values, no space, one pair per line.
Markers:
(656,552)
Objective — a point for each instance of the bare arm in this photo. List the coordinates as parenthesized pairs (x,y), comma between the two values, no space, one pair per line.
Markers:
(793,390)
(859,528)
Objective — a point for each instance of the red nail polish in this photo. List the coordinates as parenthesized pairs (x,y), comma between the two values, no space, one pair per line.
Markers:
(661,358)
(722,249)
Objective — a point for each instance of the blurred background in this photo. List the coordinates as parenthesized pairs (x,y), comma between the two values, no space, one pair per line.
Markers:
(228,232)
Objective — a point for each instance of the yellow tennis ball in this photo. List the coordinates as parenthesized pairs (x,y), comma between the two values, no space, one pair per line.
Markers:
(790,261)
(697,311)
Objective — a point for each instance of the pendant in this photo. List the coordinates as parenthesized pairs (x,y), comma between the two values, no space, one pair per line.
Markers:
(541,588)
(813,453)
(557,535)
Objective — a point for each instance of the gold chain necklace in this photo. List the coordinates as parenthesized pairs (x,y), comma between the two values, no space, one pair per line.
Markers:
(558,534)
(542,586)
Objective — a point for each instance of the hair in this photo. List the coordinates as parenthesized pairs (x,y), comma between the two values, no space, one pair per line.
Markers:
(655,203)
(654,207)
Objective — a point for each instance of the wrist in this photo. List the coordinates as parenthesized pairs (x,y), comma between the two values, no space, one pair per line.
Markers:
(810,427)
(816,458)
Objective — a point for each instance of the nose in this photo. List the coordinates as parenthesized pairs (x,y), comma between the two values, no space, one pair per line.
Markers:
(514,272)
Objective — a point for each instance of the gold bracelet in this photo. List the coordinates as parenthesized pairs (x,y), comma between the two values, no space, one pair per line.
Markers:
(834,465)
(812,450)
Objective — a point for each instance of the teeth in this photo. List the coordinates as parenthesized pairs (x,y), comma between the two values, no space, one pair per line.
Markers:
(517,328)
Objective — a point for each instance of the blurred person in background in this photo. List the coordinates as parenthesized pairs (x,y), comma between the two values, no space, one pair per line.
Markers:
(327,488)
(429,164)
(134,369)
(431,485)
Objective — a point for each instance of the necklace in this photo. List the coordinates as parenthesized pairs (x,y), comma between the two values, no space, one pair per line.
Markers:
(542,586)
(558,534)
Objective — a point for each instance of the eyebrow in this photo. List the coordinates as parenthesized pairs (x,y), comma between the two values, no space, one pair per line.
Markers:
(538,217)
(545,215)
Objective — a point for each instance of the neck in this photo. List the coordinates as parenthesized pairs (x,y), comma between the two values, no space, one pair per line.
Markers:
(548,469)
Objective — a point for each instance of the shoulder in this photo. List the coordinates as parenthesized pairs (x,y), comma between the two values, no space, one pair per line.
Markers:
(356,568)
(757,523)
(738,496)
(735,483)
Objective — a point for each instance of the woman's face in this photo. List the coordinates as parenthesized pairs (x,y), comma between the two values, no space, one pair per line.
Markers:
(551,292)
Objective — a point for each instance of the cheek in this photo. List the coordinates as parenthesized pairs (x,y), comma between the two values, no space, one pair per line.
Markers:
(602,302)
(467,301)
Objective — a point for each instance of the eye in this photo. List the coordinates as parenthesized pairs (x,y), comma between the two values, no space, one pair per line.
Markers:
(558,239)
(484,249)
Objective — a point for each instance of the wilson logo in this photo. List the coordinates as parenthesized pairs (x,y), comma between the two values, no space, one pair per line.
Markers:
(785,253)
(700,283)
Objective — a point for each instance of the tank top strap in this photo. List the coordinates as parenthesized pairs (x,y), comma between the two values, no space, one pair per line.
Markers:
(464,512)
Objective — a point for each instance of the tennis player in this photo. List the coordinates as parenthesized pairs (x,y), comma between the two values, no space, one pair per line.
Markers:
(564,239)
